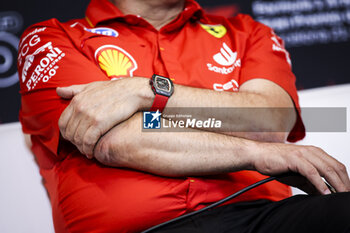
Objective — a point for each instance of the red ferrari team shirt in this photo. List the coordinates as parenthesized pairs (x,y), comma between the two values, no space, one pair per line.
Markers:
(196,50)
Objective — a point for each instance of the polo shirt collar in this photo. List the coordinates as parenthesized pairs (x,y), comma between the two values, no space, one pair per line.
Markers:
(99,11)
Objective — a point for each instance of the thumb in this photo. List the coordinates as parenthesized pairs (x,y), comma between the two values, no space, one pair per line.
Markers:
(70,91)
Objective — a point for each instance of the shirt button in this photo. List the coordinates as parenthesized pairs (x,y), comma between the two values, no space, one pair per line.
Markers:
(191,180)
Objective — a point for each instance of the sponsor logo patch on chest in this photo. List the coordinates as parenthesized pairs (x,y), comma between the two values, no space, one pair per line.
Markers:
(227,59)
(103,31)
(115,61)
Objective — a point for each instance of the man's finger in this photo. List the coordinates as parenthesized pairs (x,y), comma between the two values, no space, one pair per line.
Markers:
(70,91)
(332,178)
(344,176)
(80,131)
(339,168)
(64,119)
(327,168)
(91,137)
(305,168)
(71,128)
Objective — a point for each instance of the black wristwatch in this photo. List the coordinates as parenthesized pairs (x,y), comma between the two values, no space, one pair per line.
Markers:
(163,88)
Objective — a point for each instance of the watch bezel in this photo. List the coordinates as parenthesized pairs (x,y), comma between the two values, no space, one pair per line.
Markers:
(158,90)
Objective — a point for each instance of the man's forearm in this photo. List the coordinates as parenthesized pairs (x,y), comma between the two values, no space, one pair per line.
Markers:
(264,113)
(172,153)
(205,153)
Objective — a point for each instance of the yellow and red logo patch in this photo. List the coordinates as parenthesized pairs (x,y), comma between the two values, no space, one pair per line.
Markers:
(115,61)
(217,30)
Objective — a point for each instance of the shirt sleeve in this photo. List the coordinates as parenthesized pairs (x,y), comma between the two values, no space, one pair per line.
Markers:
(48,59)
(266,57)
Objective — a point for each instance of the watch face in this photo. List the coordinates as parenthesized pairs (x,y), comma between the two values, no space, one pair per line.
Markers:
(163,84)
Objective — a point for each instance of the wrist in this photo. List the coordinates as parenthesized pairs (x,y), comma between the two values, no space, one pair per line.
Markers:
(254,152)
(144,93)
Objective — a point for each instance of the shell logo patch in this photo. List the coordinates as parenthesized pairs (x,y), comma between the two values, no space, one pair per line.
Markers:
(217,30)
(115,61)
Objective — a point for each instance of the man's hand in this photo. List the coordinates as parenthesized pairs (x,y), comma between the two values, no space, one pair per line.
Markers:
(309,161)
(96,107)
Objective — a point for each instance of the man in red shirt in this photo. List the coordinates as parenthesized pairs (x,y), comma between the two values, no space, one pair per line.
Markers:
(84,84)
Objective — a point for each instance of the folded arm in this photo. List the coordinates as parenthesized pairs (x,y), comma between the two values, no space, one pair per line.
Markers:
(205,153)
(97,107)
(261,110)
(172,153)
